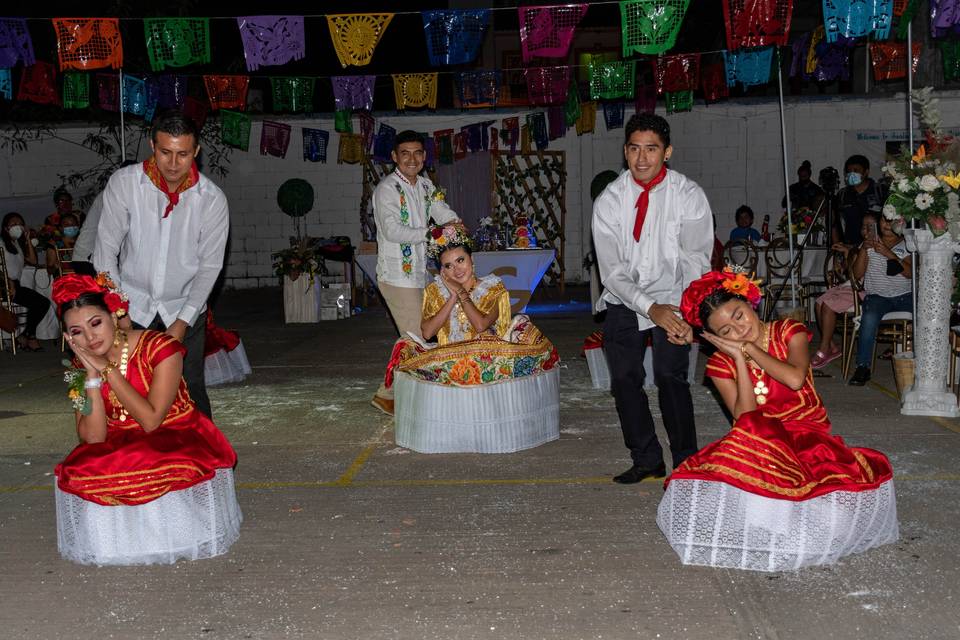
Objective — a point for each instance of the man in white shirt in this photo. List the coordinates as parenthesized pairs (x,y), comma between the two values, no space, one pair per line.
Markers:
(403,204)
(162,236)
(653,232)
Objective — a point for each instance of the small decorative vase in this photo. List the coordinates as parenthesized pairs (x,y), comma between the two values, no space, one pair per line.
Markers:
(930,394)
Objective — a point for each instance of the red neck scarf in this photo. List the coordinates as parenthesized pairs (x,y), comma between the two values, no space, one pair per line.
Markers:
(173,197)
(644,200)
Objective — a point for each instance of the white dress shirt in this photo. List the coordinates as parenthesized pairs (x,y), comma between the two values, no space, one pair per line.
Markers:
(674,247)
(164,265)
(391,233)
(87,240)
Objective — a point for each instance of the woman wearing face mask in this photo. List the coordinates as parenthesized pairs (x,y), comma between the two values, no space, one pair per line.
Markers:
(69,230)
(18,252)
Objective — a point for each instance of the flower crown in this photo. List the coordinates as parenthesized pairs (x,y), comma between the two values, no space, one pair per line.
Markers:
(732,279)
(439,239)
(72,286)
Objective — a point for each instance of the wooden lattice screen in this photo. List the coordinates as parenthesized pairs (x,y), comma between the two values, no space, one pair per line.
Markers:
(534,184)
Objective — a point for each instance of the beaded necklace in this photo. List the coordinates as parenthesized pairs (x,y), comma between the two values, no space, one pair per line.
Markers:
(118,411)
(760,388)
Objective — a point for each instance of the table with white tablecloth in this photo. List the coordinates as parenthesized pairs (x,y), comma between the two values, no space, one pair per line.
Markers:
(810,269)
(521,270)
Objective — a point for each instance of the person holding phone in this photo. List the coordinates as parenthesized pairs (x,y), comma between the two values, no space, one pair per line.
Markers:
(885,266)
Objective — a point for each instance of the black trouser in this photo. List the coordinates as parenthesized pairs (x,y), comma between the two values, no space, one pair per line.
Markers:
(624,345)
(36,305)
(194,341)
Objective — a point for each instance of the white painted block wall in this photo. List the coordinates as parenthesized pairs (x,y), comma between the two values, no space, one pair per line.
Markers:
(732,150)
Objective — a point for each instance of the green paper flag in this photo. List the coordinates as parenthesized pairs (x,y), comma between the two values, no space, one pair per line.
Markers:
(343,121)
(235,129)
(293,94)
(571,109)
(678,101)
(950,53)
(611,80)
(177,42)
(76,90)
(650,27)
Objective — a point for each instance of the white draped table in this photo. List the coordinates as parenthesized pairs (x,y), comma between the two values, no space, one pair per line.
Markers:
(521,270)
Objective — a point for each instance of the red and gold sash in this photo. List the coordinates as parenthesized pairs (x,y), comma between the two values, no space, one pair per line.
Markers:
(153,172)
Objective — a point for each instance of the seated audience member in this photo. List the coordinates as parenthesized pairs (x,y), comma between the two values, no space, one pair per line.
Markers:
(884,264)
(64,203)
(18,252)
(804,192)
(744,229)
(66,239)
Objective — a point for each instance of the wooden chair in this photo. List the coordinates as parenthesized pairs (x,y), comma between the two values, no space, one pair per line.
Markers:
(895,328)
(777,260)
(954,357)
(64,261)
(742,253)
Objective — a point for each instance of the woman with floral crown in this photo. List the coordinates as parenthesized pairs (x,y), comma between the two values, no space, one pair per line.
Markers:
(478,344)
(778,491)
(152,478)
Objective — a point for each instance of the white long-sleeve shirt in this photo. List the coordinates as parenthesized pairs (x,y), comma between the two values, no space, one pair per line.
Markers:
(164,265)
(87,240)
(674,247)
(392,233)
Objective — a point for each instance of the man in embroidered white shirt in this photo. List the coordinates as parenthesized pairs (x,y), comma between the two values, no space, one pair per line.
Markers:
(403,203)
(653,232)
(162,236)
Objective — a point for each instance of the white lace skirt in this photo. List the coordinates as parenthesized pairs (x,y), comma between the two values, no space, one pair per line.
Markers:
(503,417)
(224,367)
(718,525)
(201,521)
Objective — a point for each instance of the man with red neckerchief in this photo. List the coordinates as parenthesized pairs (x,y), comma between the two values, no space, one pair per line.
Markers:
(653,233)
(162,237)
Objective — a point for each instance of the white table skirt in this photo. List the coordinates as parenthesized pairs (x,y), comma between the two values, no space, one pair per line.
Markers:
(521,270)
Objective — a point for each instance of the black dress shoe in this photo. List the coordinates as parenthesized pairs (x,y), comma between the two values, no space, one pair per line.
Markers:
(860,377)
(636,474)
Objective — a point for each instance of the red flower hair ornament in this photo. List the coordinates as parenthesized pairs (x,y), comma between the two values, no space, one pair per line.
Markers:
(731,279)
(72,286)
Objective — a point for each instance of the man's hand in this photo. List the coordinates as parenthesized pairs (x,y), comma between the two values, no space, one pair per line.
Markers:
(665,316)
(178,329)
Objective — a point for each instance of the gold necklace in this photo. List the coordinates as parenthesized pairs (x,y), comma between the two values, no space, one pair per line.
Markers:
(760,388)
(465,325)
(119,412)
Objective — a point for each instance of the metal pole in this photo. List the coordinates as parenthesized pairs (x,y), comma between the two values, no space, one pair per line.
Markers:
(786,181)
(866,69)
(914,267)
(123,133)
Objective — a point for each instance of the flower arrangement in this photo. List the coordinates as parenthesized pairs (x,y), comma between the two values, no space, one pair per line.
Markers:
(802,219)
(76,377)
(487,235)
(440,237)
(298,259)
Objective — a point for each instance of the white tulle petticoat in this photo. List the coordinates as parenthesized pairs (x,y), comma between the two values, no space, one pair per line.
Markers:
(201,521)
(502,417)
(715,524)
(224,367)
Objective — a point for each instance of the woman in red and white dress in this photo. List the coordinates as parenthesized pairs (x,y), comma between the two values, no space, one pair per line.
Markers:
(778,491)
(152,478)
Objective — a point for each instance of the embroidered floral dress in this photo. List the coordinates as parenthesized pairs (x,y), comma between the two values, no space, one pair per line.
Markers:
(133,467)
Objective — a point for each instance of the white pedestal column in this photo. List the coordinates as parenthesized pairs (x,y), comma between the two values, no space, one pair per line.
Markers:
(930,395)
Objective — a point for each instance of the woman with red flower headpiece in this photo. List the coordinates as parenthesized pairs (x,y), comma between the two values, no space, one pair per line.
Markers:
(152,478)
(778,491)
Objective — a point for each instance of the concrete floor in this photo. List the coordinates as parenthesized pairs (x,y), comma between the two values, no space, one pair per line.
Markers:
(348,536)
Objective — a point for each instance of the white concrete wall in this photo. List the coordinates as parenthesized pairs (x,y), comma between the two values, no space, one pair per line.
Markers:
(732,149)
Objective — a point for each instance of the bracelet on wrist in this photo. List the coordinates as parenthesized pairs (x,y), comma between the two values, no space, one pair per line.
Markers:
(93,383)
(107,369)
(743,350)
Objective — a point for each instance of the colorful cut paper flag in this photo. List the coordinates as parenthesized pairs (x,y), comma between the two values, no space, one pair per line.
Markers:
(367,125)
(889,59)
(949,53)
(459,146)
(454,36)
(196,110)
(177,42)
(571,109)
(547,31)
(611,80)
(353,92)
(227,92)
(235,129)
(557,122)
(713,82)
(415,90)
(444,141)
(38,83)
(351,149)
(76,90)
(355,35)
(15,43)
(6,84)
(134,95)
(478,88)
(108,91)
(613,114)
(944,17)
(383,143)
(274,139)
(294,94)
(757,23)
(650,27)
(588,118)
(343,121)
(315,143)
(547,85)
(676,73)
(856,18)
(646,101)
(537,125)
(679,101)
(749,68)
(88,43)
(270,41)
